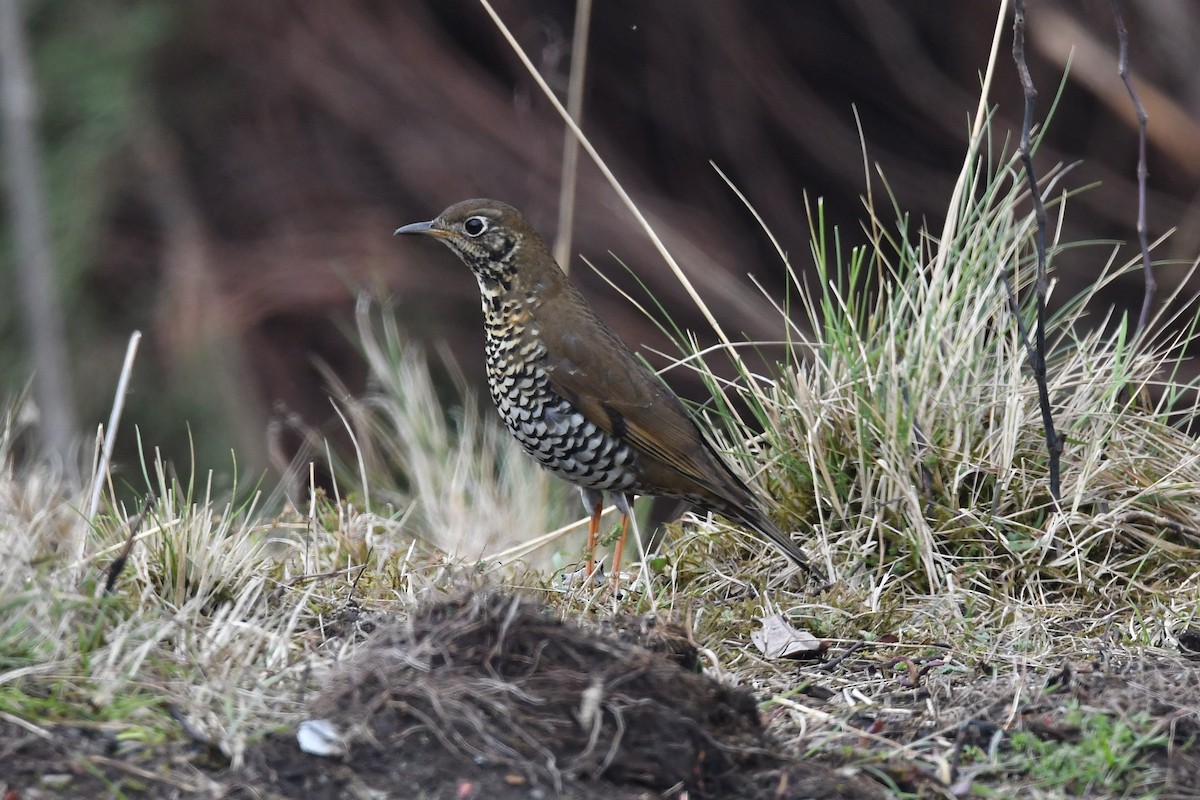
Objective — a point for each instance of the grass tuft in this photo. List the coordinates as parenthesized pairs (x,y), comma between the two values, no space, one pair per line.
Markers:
(902,436)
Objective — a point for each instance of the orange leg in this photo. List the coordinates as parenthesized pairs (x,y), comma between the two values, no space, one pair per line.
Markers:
(593,532)
(619,550)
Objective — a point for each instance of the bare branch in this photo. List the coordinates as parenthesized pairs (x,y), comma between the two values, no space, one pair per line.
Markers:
(1143,239)
(1036,353)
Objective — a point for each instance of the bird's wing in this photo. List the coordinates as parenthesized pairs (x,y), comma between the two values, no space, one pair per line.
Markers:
(589,366)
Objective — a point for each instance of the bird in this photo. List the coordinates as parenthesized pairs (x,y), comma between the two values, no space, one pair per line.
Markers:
(574,395)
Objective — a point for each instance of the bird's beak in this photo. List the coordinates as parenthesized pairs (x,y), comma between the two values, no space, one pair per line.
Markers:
(425,228)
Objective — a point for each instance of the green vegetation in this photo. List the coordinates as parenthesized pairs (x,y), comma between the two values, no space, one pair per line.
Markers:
(1099,753)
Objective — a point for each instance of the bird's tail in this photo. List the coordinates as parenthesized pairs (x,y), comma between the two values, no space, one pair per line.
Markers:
(762,524)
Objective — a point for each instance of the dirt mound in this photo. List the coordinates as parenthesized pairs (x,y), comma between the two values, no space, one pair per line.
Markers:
(498,681)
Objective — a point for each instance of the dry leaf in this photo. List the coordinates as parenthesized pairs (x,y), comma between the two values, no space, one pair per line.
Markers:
(778,639)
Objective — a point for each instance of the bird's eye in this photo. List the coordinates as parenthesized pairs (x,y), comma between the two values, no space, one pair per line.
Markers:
(475,226)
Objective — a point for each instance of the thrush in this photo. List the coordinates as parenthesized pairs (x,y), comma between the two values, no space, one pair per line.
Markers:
(573,394)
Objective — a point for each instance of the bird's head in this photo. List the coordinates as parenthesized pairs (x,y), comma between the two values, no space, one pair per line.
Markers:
(487,235)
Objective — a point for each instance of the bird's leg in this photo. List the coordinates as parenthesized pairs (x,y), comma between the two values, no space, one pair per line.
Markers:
(593,534)
(624,503)
(620,547)
(593,501)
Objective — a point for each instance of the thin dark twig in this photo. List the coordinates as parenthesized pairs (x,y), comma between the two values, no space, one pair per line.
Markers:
(1143,240)
(118,564)
(857,647)
(1037,353)
(1015,309)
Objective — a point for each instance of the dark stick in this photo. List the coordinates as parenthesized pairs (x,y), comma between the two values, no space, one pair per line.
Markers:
(1037,353)
(1147,269)
(118,564)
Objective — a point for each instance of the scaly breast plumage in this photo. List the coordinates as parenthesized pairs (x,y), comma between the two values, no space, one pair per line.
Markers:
(551,429)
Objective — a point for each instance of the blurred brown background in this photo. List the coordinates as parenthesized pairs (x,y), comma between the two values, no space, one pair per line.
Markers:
(224,175)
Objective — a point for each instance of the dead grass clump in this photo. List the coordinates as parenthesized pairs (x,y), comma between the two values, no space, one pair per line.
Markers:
(497,677)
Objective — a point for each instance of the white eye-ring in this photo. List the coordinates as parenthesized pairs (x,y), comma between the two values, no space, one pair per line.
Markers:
(475,226)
